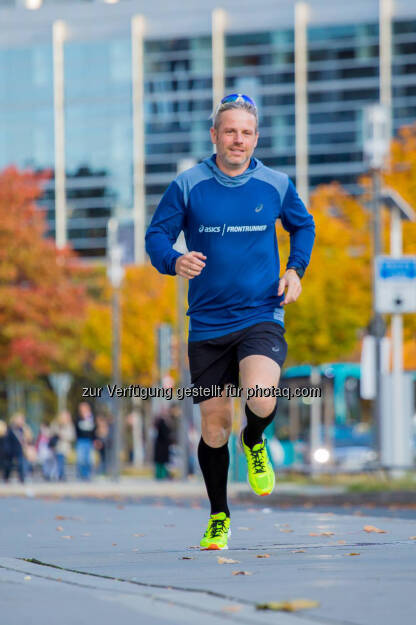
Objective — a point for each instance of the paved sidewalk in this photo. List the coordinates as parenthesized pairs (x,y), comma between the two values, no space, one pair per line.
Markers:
(125,562)
(145,487)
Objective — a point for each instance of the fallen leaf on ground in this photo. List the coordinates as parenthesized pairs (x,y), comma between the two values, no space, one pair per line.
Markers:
(412,537)
(114,544)
(222,560)
(67,537)
(352,554)
(241,573)
(321,533)
(137,535)
(341,542)
(288,606)
(186,558)
(299,551)
(27,577)
(59,528)
(244,528)
(263,555)
(287,531)
(86,534)
(231,608)
(371,528)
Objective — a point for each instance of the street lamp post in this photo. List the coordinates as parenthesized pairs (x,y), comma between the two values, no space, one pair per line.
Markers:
(115,273)
(376,148)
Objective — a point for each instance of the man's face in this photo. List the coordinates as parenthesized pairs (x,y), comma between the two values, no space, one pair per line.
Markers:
(235,138)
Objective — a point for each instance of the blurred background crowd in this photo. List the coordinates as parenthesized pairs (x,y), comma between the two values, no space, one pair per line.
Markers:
(80,447)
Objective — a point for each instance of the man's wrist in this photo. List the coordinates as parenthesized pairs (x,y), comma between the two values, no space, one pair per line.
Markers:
(298,270)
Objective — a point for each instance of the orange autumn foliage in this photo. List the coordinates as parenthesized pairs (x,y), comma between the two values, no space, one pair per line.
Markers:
(401,176)
(147,299)
(326,322)
(329,319)
(41,300)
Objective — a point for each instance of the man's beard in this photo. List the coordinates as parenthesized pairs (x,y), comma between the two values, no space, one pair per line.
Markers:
(234,164)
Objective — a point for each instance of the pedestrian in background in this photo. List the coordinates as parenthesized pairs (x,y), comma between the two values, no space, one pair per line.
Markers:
(162,443)
(85,432)
(15,444)
(3,443)
(63,428)
(102,443)
(45,452)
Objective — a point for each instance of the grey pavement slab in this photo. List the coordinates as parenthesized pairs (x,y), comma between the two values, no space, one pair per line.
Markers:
(98,543)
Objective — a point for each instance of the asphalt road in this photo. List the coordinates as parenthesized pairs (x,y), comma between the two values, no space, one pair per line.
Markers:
(136,563)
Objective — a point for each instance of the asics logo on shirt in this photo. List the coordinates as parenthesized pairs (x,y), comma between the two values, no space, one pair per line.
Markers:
(259,208)
(203,228)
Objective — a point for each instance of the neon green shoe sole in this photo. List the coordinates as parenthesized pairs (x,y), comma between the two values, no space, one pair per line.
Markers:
(261,475)
(217,533)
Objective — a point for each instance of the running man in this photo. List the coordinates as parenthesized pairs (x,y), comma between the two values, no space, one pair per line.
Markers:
(227,207)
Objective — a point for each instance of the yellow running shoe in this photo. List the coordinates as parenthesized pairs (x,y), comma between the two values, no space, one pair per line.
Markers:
(260,471)
(217,533)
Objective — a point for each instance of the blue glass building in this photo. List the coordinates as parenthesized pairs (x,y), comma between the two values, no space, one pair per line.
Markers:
(343,77)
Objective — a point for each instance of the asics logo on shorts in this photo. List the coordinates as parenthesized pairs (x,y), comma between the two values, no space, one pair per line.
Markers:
(275,349)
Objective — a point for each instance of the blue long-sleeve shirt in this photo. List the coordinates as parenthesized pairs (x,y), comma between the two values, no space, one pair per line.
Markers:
(231,220)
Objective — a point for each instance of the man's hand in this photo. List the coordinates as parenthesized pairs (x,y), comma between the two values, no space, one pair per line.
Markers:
(190,265)
(290,280)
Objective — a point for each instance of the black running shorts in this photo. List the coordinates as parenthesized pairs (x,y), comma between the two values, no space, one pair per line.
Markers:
(216,361)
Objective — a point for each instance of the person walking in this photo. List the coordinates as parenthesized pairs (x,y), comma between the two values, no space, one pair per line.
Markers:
(162,444)
(102,444)
(85,428)
(3,447)
(63,431)
(227,207)
(15,447)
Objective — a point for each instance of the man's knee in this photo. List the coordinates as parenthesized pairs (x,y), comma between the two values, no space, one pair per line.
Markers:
(216,426)
(263,406)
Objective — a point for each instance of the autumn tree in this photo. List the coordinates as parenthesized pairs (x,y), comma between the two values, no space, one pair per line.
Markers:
(325,323)
(41,298)
(401,176)
(331,316)
(147,299)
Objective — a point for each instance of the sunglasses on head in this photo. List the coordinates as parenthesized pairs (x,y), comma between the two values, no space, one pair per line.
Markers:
(238,97)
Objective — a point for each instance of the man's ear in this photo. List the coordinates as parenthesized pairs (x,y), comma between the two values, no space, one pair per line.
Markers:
(213,133)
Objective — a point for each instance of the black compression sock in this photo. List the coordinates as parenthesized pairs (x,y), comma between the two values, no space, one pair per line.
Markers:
(214,463)
(255,427)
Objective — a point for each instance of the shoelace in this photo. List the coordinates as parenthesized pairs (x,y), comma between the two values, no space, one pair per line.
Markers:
(217,527)
(258,460)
